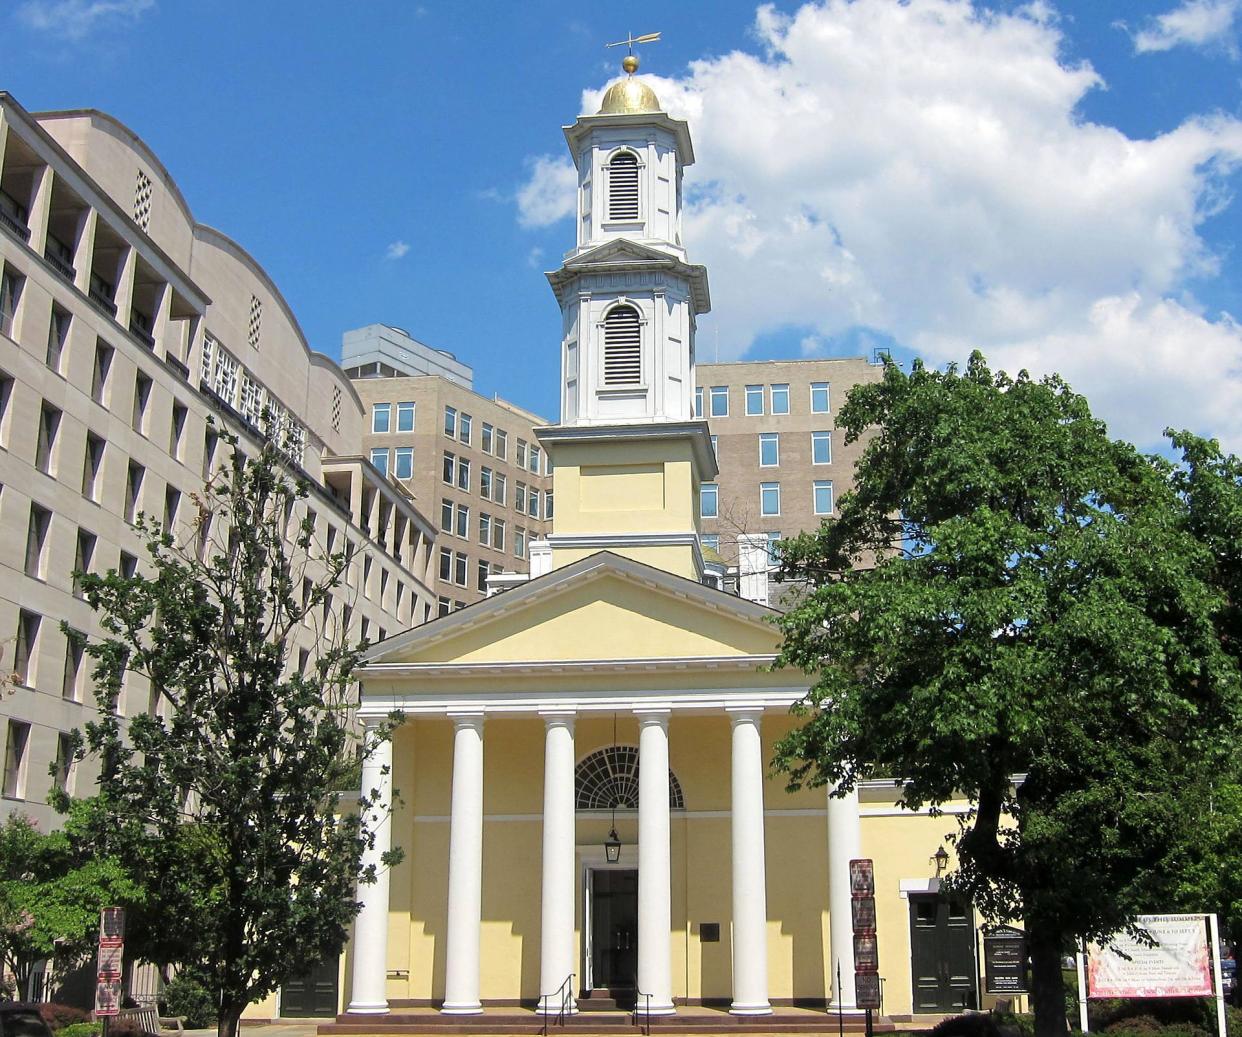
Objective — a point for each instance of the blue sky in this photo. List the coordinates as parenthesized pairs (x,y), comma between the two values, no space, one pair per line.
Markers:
(1053,183)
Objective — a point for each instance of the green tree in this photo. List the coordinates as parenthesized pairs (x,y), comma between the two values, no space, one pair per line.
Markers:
(223,797)
(1010,608)
(51,896)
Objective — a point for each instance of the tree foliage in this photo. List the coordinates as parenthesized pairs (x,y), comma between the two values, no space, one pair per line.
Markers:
(1009,594)
(223,796)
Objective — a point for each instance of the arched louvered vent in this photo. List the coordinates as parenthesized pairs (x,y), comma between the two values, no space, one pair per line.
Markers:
(623,344)
(623,187)
(608,778)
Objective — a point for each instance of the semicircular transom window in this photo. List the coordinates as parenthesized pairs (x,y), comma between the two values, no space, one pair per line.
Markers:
(608,779)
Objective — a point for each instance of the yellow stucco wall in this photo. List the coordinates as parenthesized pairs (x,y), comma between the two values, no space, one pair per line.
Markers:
(699,752)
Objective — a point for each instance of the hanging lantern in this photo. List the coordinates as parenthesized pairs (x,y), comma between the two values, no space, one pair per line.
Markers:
(612,846)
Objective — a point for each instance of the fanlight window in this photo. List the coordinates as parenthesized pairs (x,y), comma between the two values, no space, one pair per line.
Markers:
(623,347)
(608,778)
(623,187)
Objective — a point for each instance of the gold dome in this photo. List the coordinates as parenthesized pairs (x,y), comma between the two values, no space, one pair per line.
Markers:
(629,96)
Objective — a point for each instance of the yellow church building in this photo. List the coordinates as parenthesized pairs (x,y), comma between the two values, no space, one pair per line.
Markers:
(583,791)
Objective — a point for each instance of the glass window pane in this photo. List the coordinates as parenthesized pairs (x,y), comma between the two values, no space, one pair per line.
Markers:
(821,448)
(698,402)
(780,399)
(769,449)
(403,466)
(708,500)
(405,417)
(823,496)
(770,498)
(720,401)
(819,397)
(379,458)
(381,416)
(754,399)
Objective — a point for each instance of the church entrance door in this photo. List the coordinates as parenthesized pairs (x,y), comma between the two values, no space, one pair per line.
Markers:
(614,933)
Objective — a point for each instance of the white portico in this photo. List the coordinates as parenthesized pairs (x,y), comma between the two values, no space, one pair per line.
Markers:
(475,669)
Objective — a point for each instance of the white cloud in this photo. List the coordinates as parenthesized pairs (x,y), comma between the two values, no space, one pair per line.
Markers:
(75,19)
(921,169)
(1194,23)
(396,250)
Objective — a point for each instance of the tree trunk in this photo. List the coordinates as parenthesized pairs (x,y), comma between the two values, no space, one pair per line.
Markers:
(229,1021)
(1047,983)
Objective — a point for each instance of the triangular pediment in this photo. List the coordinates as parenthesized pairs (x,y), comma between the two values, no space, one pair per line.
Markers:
(620,250)
(601,608)
(619,254)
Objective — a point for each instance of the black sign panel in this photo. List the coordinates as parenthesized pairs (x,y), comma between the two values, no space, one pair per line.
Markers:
(867,990)
(1004,961)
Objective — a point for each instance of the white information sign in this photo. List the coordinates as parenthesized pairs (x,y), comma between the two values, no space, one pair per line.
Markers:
(1178,964)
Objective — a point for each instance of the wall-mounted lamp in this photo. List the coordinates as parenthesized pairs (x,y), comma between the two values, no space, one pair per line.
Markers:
(941,860)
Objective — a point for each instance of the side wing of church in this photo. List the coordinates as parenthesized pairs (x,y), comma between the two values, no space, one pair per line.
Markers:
(581,783)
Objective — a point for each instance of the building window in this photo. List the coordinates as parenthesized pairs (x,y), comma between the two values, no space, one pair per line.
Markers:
(83,556)
(446,564)
(519,497)
(6,395)
(443,606)
(450,465)
(770,498)
(142,397)
(92,463)
(211,440)
(10,295)
(26,646)
(172,504)
(622,349)
(547,504)
(535,457)
(709,499)
(463,474)
(460,568)
(780,399)
(177,429)
(45,446)
(698,402)
(485,529)
(710,541)
(498,534)
(62,776)
(485,483)
(819,397)
(465,424)
(36,541)
(623,186)
(75,651)
(754,399)
(484,571)
(381,417)
(769,449)
(128,565)
(133,489)
(519,542)
(499,486)
(823,496)
(719,401)
(99,374)
(15,760)
(450,422)
(715,448)
(379,458)
(57,337)
(403,462)
(774,547)
(502,444)
(821,448)
(486,439)
(463,521)
(446,515)
(405,416)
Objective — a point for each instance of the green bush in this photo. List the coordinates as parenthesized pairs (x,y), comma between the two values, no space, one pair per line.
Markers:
(187,997)
(80,1030)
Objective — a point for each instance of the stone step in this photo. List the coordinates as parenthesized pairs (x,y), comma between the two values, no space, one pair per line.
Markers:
(597,1022)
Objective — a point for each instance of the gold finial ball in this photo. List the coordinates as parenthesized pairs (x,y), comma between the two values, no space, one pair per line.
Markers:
(630,63)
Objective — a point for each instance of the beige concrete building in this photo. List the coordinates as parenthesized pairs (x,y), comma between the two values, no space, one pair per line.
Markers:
(783,463)
(470,461)
(124,325)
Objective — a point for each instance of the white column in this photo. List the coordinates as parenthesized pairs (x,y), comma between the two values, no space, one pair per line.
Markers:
(654,867)
(844,845)
(556,935)
(750,900)
(465,888)
(369,992)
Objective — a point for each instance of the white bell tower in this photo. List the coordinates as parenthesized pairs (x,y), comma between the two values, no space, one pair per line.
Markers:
(629,299)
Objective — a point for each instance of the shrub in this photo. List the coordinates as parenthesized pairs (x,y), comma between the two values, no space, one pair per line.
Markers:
(976,1024)
(58,1016)
(187,997)
(81,1030)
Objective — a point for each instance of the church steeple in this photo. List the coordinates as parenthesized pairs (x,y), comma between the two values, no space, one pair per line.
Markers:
(629,454)
(629,298)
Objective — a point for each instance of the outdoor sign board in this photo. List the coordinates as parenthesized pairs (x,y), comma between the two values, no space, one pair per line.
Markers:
(862,914)
(867,989)
(111,952)
(866,949)
(1177,964)
(1004,960)
(862,878)
(866,952)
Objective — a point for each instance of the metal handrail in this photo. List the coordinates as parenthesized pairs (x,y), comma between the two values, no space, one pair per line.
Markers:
(566,994)
(646,1012)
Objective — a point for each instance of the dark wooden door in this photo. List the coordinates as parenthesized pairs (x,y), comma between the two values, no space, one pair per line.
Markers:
(314,994)
(942,954)
(614,930)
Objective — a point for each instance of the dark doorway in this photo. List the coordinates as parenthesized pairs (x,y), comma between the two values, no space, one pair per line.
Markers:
(313,994)
(614,932)
(942,954)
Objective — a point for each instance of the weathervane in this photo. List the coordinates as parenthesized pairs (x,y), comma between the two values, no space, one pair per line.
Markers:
(630,61)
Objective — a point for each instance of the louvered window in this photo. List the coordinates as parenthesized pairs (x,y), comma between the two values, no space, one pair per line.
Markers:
(622,347)
(623,187)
